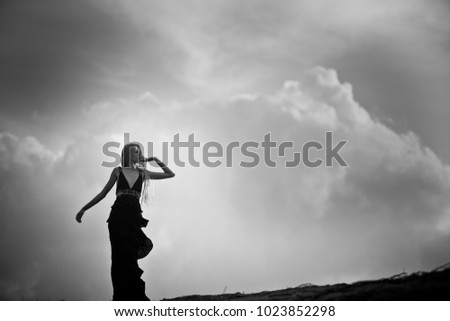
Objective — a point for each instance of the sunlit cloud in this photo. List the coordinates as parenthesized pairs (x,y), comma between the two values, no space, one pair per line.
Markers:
(247,229)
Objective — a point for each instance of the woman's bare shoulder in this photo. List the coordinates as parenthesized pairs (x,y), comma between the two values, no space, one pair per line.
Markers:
(116,171)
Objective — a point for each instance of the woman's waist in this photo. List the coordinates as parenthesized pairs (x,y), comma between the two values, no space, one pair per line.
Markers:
(127,202)
(128,192)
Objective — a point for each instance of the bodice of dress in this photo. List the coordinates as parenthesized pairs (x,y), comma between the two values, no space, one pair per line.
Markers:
(127,207)
(123,187)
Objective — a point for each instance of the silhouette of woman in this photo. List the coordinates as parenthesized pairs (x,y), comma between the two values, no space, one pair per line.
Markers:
(125,222)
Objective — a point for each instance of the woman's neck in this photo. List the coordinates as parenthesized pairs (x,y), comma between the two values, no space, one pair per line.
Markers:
(133,166)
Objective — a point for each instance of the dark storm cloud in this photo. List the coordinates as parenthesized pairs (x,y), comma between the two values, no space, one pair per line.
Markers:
(57,53)
(47,51)
(34,223)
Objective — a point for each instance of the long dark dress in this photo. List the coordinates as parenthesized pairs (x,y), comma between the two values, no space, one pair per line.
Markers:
(127,238)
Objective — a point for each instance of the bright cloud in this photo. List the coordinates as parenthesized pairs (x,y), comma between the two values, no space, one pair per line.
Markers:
(247,229)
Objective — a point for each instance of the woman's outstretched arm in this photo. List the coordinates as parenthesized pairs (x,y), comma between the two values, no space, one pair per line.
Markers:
(99,196)
(155,175)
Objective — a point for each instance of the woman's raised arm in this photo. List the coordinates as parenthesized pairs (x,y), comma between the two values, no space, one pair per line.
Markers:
(155,175)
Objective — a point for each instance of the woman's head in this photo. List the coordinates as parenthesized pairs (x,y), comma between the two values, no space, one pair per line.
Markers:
(132,153)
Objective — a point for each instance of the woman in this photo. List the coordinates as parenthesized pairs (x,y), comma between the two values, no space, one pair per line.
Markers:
(125,222)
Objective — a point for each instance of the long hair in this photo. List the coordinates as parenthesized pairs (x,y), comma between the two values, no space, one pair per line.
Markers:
(147,184)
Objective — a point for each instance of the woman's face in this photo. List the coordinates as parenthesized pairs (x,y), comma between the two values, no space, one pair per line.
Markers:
(135,153)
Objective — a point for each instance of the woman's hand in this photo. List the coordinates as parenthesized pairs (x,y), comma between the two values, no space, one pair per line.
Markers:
(79,216)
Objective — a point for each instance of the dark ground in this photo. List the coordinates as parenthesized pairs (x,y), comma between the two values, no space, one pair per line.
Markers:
(422,286)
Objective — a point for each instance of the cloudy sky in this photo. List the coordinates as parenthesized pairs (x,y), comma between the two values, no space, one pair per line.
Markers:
(76,75)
